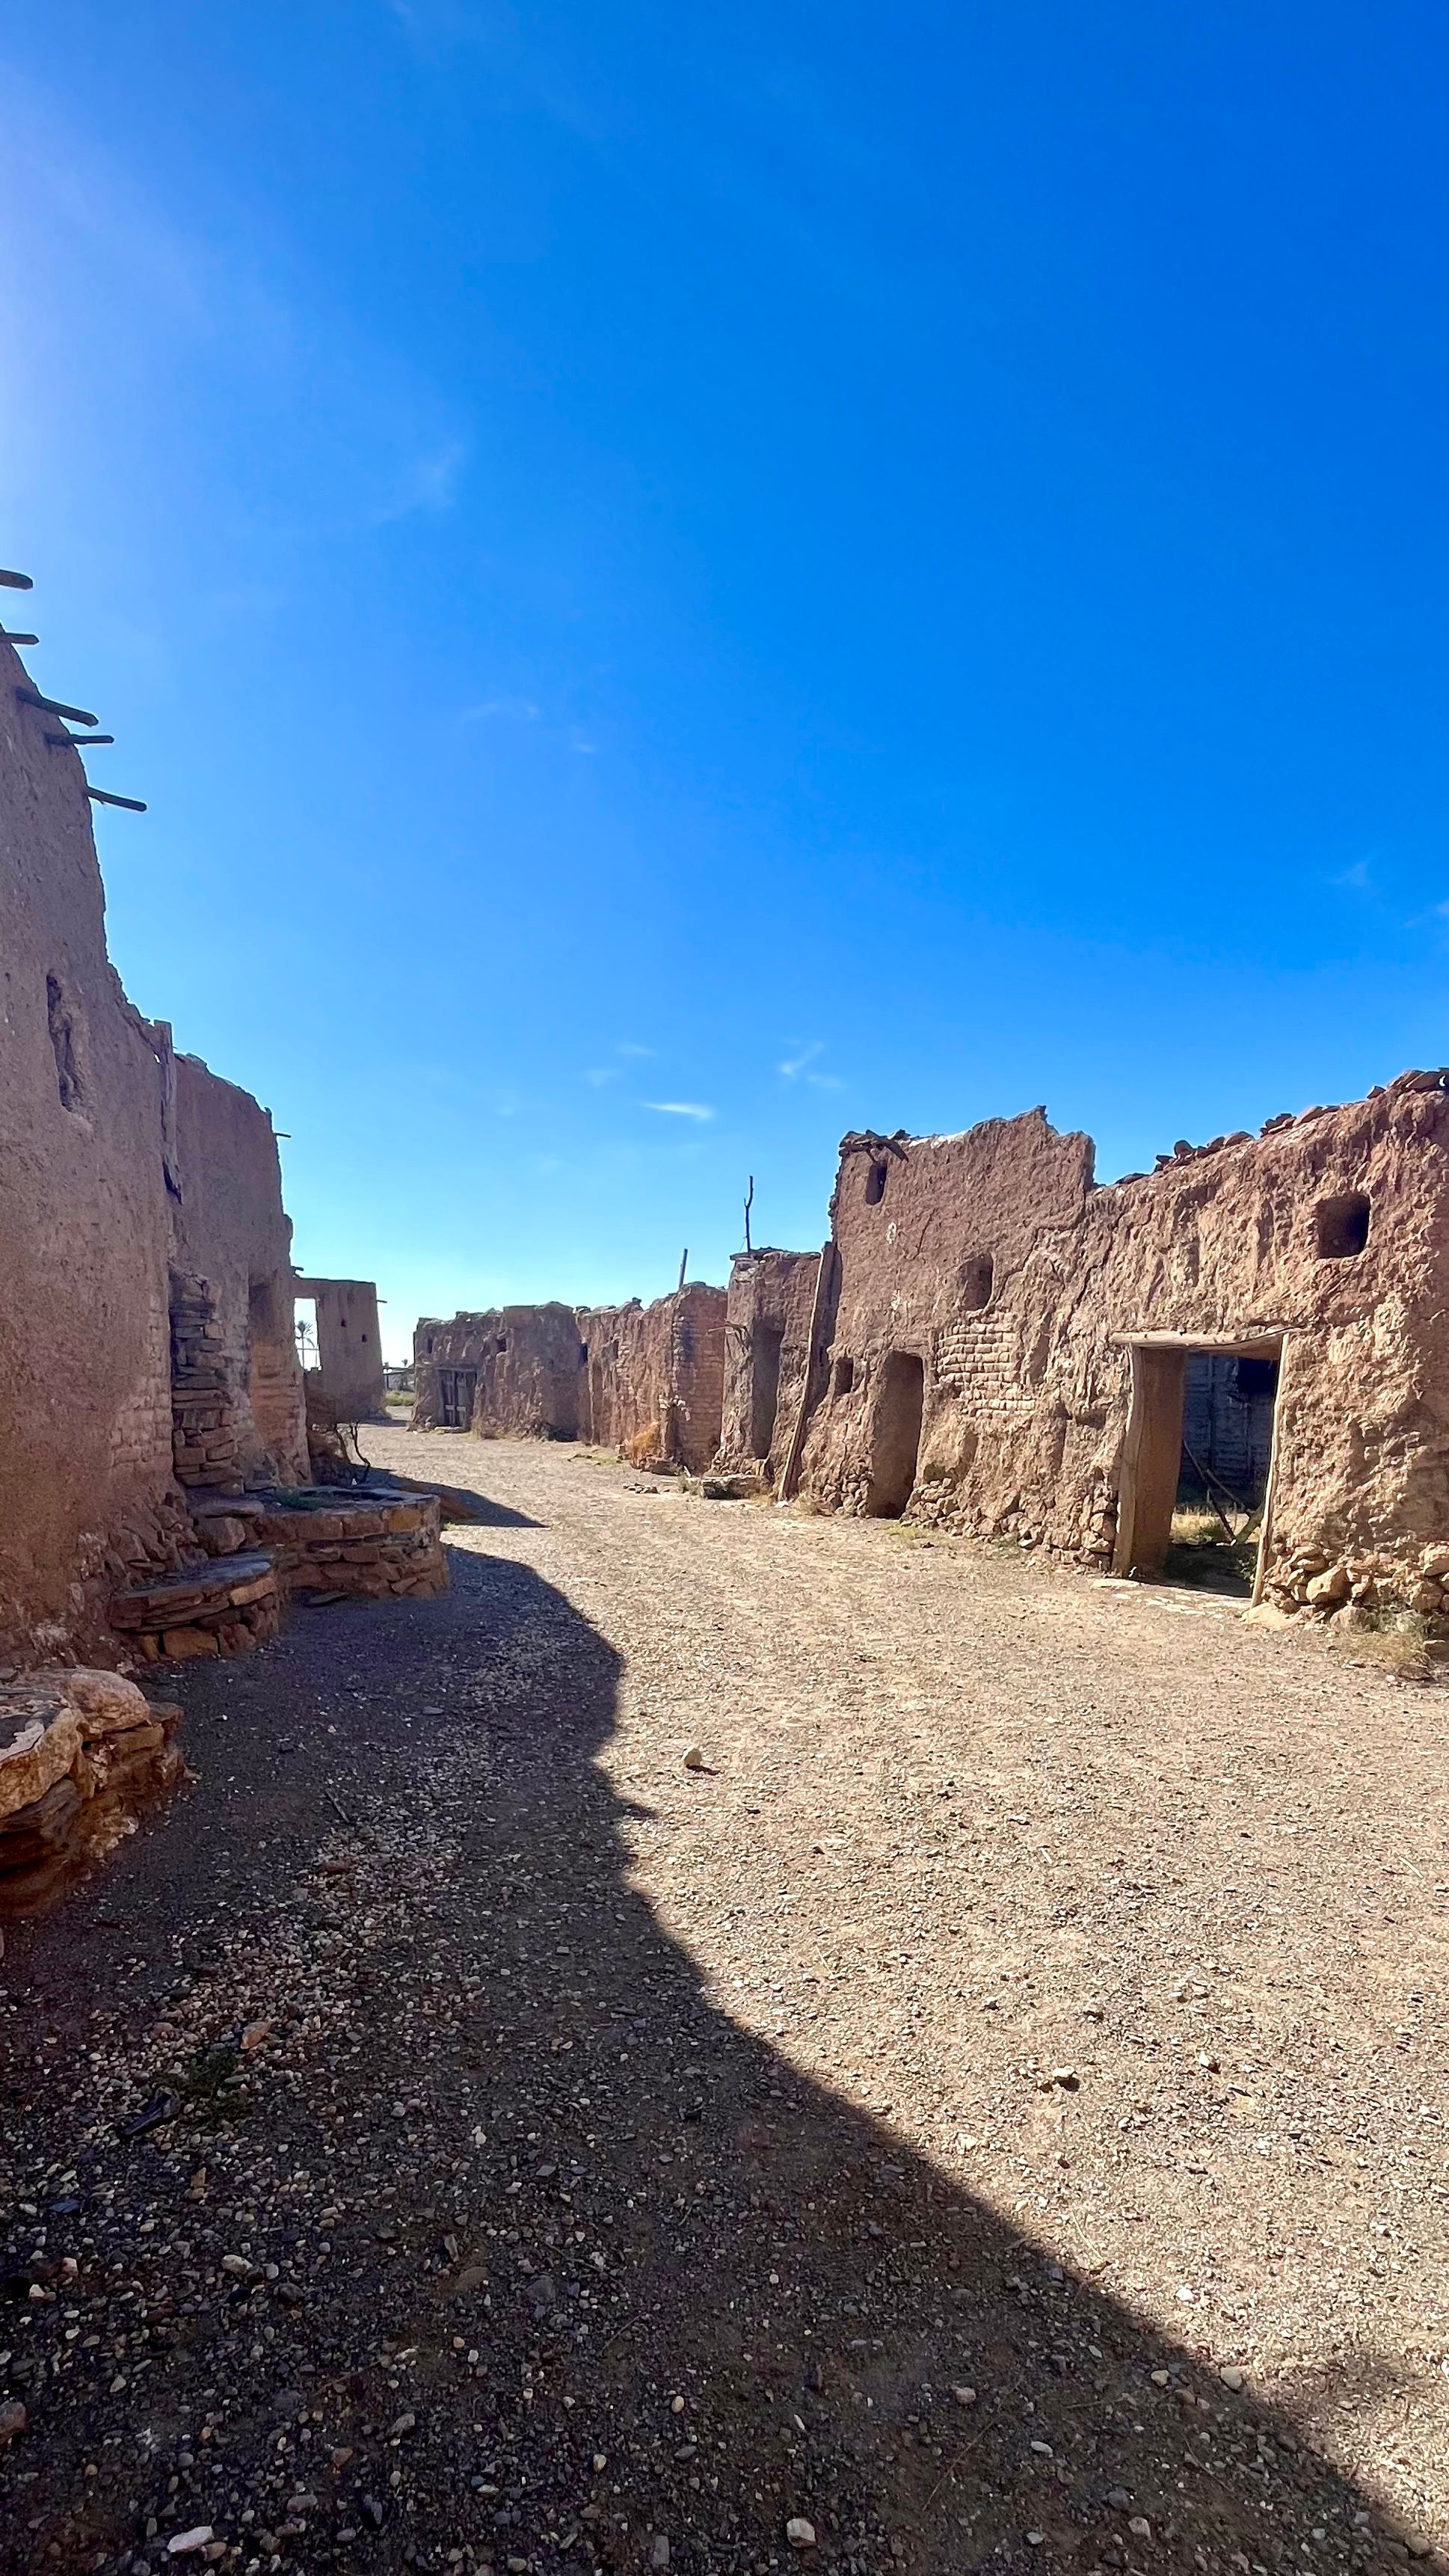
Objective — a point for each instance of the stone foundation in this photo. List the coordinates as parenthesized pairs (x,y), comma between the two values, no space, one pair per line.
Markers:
(80,1753)
(224,1607)
(376,1545)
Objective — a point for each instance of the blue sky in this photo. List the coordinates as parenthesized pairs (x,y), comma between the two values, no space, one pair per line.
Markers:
(678,581)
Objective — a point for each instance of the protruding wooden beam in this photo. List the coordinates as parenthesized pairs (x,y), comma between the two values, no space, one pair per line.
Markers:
(16,581)
(8,635)
(78,741)
(54,707)
(102,796)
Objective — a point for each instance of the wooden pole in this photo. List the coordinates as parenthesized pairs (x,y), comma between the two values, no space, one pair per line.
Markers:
(749,1203)
(683,1266)
(791,1468)
(1270,1490)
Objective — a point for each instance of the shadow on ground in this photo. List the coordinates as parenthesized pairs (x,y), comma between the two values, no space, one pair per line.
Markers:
(503,2186)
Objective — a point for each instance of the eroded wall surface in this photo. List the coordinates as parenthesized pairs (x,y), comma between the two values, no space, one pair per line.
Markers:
(231,1256)
(645,1379)
(991,1262)
(767,1347)
(653,1379)
(85,1399)
(145,1262)
(512,1371)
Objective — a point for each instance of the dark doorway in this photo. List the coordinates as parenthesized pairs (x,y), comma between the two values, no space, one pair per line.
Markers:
(1222,1481)
(456,1390)
(765,1343)
(896,1434)
(1196,1464)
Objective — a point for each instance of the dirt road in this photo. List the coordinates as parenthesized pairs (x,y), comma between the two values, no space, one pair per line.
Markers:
(892,2130)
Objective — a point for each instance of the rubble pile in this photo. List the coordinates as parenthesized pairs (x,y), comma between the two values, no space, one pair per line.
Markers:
(80,1752)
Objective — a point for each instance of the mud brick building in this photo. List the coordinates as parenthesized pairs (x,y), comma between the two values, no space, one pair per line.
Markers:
(145,1263)
(348,1384)
(769,1312)
(652,1377)
(511,1371)
(645,1379)
(1006,1348)
(151,1398)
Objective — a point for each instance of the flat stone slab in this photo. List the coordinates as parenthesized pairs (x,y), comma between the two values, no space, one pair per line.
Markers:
(197,1592)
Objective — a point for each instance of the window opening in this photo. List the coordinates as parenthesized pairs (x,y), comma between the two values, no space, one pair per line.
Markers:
(842,1377)
(1343,1226)
(875,1181)
(305,1327)
(976,1282)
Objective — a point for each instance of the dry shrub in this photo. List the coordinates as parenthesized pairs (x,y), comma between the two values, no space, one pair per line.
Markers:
(1399,1645)
(642,1448)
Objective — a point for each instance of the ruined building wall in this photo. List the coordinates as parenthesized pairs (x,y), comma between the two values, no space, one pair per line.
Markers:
(649,1379)
(513,1371)
(767,1334)
(239,1408)
(349,1376)
(652,1382)
(989,1284)
(85,1405)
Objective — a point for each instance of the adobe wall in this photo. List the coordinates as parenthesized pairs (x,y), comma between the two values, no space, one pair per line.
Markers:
(85,1400)
(349,1375)
(527,1364)
(231,1263)
(645,1379)
(652,1382)
(767,1337)
(1026,1389)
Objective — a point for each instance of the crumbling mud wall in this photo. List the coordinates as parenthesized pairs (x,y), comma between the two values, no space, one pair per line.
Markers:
(770,1301)
(1022,1333)
(512,1372)
(239,1413)
(85,1396)
(652,1382)
(645,1379)
(348,1384)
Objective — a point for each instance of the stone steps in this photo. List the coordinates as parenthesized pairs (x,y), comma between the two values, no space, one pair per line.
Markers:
(223,1607)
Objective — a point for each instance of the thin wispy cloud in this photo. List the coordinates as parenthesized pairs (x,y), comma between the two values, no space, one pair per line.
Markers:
(1358,879)
(623,1047)
(678,1108)
(599,1074)
(501,711)
(427,482)
(799,1067)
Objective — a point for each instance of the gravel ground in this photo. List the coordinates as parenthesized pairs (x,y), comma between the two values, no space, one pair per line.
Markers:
(898,2127)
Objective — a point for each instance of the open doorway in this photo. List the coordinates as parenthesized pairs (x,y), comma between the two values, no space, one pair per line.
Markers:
(1196,1481)
(765,1345)
(895,1434)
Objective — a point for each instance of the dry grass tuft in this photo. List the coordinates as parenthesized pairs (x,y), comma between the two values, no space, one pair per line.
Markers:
(1400,1647)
